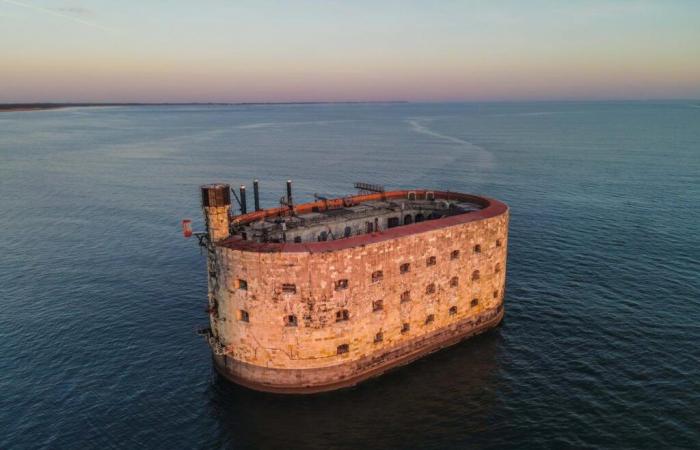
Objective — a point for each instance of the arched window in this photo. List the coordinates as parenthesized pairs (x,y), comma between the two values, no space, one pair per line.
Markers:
(348,231)
(454,282)
(453,310)
(408,219)
(430,289)
(475,302)
(475,275)
(377,276)
(405,296)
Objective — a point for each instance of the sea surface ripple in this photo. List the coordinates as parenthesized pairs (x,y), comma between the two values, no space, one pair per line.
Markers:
(101,296)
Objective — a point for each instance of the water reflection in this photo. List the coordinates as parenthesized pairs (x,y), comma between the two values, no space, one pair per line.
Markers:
(447,395)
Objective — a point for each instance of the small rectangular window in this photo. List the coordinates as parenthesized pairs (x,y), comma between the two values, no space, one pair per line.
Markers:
(242,284)
(290,320)
(344,348)
(342,315)
(475,302)
(369,226)
(477,248)
(430,289)
(498,242)
(406,327)
(289,288)
(377,305)
(377,276)
(453,310)
(405,296)
(431,261)
(405,268)
(392,222)
(243,316)
(430,319)
(341,284)
(454,254)
(379,337)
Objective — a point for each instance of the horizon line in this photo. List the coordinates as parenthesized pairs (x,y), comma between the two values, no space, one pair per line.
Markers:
(55,105)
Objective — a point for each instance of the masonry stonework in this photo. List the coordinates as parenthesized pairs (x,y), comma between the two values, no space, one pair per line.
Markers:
(318,316)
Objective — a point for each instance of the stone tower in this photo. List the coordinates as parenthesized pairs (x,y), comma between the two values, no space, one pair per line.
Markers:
(216,204)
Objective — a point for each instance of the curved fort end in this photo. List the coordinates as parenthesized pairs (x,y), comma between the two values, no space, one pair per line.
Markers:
(216,203)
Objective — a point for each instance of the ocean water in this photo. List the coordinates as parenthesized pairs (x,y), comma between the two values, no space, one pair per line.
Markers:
(101,296)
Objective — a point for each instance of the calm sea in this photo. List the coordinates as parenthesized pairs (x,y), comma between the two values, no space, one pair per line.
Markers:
(101,296)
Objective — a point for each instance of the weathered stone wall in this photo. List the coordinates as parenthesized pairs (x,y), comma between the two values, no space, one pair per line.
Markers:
(257,287)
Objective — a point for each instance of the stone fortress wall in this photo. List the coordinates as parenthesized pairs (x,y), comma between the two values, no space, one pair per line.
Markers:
(308,317)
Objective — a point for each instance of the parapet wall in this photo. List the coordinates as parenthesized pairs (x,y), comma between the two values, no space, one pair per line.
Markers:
(303,307)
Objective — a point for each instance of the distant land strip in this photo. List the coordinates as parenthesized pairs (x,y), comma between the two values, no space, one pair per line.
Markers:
(7,107)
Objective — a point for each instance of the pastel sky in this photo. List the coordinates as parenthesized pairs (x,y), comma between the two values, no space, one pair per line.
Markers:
(431,50)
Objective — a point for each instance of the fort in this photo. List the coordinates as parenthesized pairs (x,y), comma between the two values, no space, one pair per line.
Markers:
(323,295)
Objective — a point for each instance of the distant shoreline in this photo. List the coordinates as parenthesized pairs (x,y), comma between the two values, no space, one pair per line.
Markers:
(14,107)
(18,107)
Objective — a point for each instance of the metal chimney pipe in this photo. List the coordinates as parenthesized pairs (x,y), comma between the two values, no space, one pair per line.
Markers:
(256,195)
(290,203)
(243,204)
